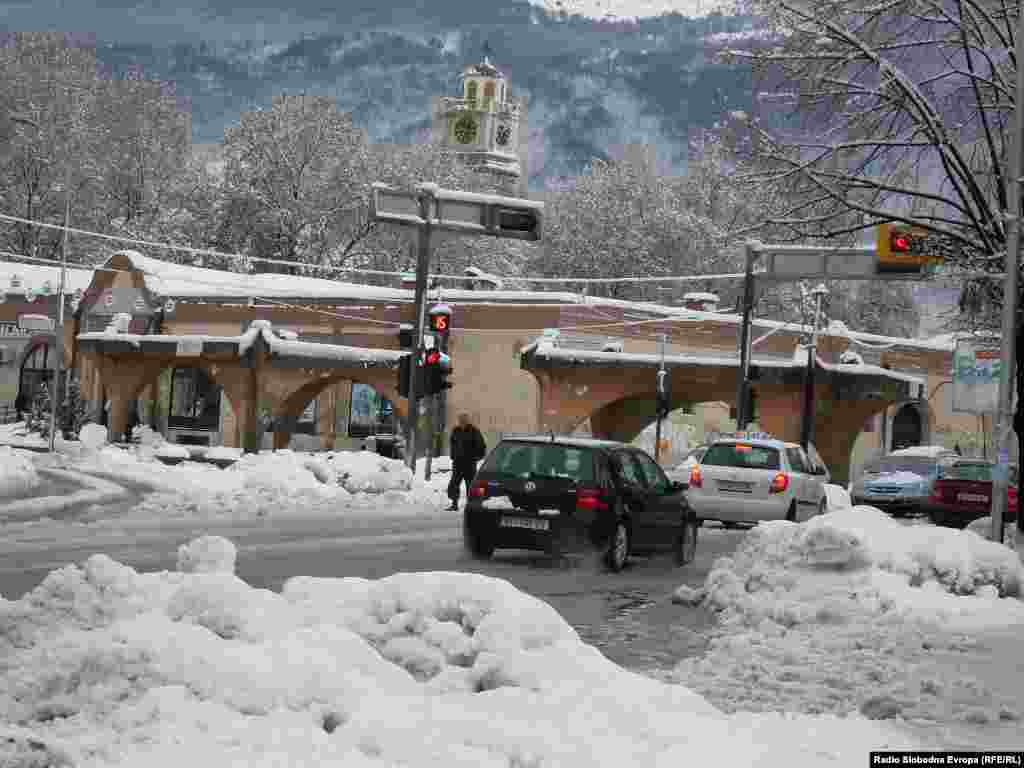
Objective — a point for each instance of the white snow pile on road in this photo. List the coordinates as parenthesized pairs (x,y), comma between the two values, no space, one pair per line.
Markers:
(837,497)
(103,665)
(17,472)
(847,610)
(270,483)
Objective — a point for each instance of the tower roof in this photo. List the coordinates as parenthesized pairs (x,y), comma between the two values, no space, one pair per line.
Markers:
(484,68)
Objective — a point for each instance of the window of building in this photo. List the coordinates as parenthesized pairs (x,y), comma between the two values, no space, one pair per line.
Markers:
(194,401)
(488,95)
(471,90)
(369,413)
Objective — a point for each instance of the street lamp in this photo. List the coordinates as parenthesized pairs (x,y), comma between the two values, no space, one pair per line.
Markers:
(807,424)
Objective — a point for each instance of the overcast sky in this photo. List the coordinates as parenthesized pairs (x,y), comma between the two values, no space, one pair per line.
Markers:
(163,21)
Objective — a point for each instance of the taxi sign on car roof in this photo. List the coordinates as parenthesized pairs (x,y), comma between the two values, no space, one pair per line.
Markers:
(746,436)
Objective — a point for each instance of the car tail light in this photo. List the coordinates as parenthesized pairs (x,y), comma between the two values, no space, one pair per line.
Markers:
(780,483)
(1011,499)
(478,490)
(936,494)
(696,481)
(591,499)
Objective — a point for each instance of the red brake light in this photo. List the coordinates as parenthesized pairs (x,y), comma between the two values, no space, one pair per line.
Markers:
(780,483)
(478,491)
(1011,498)
(696,481)
(591,499)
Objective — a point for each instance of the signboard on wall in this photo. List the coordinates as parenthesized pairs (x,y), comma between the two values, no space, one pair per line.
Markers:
(976,368)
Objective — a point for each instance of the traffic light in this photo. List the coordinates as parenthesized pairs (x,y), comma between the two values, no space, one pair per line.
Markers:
(903,249)
(405,336)
(404,371)
(436,371)
(440,322)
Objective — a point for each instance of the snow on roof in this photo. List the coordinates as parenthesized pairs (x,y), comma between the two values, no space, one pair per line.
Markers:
(34,275)
(544,349)
(699,296)
(279,347)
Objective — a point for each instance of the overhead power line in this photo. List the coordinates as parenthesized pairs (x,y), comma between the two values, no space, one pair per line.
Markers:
(380,272)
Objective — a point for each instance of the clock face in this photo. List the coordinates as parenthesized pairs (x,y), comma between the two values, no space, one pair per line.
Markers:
(504,134)
(465,129)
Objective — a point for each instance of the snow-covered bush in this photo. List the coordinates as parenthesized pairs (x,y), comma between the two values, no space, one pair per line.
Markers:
(92,437)
(207,554)
(17,472)
(147,437)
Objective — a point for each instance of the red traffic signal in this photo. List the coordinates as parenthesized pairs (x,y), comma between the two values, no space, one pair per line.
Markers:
(900,243)
(439,323)
(433,357)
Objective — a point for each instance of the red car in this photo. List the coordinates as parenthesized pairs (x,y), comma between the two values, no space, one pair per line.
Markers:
(963,492)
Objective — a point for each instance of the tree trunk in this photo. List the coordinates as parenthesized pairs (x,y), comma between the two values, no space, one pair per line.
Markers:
(1018,427)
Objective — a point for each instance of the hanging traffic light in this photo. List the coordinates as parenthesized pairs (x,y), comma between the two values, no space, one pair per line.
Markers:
(404,372)
(902,249)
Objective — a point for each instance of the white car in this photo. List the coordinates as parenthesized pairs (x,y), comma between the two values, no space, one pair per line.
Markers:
(750,479)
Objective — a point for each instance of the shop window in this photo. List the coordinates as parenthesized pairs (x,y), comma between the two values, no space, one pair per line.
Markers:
(369,413)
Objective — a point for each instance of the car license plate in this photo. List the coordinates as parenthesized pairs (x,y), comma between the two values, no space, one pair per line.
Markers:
(735,486)
(525,522)
(977,497)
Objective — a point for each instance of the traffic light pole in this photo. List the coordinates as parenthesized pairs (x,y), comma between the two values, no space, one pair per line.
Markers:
(742,382)
(662,373)
(1004,415)
(422,269)
(807,424)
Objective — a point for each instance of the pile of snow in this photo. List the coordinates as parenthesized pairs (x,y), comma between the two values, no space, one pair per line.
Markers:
(928,451)
(845,612)
(92,437)
(147,437)
(837,497)
(172,451)
(102,664)
(270,483)
(983,527)
(17,472)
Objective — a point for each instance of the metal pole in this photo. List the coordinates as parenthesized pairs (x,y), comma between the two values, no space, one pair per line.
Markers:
(807,424)
(59,362)
(661,390)
(748,310)
(431,438)
(1004,415)
(422,268)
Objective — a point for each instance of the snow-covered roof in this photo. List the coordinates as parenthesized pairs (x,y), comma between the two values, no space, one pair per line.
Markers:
(700,296)
(314,352)
(35,275)
(543,349)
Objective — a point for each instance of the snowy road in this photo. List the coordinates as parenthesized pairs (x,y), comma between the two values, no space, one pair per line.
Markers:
(629,616)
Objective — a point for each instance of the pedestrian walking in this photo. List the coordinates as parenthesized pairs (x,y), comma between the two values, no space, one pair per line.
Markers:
(467,447)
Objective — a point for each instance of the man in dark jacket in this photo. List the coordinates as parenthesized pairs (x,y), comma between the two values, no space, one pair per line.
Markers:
(467,448)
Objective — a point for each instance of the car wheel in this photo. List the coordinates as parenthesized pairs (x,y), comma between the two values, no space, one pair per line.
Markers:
(481,547)
(686,544)
(617,553)
(791,513)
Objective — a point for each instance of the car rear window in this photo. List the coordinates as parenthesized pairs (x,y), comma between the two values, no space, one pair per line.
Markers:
(978,472)
(922,466)
(742,455)
(525,459)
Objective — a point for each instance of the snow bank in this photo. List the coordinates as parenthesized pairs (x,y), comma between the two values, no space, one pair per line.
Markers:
(17,472)
(270,483)
(101,664)
(846,610)
(92,437)
(838,497)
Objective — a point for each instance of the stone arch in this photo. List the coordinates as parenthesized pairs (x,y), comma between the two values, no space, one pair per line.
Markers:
(292,405)
(910,424)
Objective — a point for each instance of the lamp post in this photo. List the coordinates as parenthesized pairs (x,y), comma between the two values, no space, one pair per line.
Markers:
(807,425)
(58,370)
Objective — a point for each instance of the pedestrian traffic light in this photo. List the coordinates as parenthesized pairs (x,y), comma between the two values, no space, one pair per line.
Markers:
(440,321)
(436,372)
(404,372)
(405,336)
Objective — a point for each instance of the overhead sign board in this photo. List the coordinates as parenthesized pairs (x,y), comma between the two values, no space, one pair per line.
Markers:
(457,211)
(976,367)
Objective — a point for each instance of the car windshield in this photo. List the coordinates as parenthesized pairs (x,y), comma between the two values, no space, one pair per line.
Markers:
(524,459)
(743,455)
(977,471)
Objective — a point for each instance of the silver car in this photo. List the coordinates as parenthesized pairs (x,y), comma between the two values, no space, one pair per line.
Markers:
(747,480)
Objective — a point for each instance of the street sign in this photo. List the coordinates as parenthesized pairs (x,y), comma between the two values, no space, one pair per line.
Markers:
(465,212)
(976,367)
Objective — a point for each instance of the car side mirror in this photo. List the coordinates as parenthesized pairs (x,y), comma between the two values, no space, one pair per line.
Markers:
(819,471)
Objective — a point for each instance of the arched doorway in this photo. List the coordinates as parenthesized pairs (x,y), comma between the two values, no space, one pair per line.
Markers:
(194,408)
(36,370)
(907,428)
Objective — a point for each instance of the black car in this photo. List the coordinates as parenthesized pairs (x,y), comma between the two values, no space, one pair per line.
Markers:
(557,494)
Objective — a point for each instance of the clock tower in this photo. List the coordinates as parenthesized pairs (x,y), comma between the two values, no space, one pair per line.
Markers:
(486,125)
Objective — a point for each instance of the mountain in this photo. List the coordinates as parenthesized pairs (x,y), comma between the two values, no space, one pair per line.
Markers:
(594,86)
